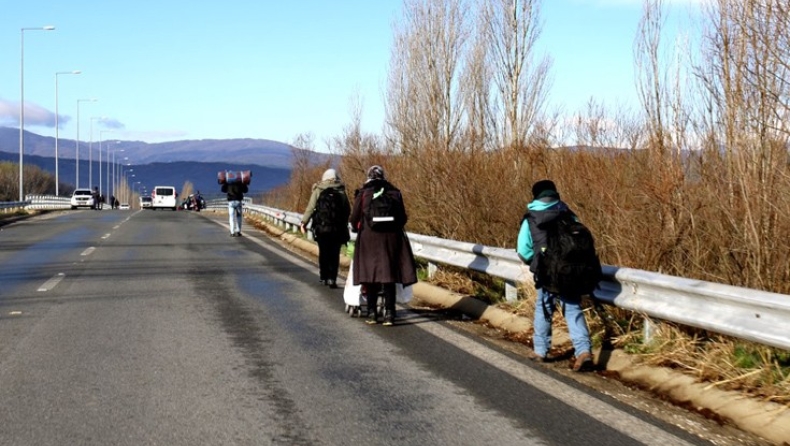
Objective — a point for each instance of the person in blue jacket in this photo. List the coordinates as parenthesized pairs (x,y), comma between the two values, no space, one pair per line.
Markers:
(532,240)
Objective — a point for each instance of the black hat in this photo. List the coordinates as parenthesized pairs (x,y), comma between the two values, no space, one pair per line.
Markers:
(544,188)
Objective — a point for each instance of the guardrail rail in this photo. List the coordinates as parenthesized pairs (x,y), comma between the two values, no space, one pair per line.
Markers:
(744,313)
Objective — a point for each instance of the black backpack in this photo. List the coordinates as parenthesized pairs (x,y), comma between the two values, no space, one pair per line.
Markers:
(383,211)
(569,266)
(328,216)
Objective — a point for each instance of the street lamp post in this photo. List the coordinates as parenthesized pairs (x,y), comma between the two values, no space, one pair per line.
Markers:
(115,173)
(90,152)
(101,139)
(78,136)
(57,128)
(22,104)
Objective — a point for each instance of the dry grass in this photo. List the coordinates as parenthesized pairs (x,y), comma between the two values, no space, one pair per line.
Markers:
(724,363)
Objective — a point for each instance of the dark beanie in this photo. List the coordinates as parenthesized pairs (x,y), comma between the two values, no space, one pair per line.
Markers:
(544,188)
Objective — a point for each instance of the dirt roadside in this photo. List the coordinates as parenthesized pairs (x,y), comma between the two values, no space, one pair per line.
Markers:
(721,417)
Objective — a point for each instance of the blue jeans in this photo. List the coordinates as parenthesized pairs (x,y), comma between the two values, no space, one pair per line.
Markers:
(574,317)
(234,216)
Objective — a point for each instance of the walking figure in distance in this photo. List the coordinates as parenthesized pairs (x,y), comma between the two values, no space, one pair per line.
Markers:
(546,210)
(329,210)
(382,254)
(235,191)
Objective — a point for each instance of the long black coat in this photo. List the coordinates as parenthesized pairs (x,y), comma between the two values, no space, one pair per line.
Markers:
(381,257)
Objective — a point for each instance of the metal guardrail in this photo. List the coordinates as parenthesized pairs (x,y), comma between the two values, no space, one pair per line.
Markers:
(48,202)
(744,313)
(8,206)
(38,202)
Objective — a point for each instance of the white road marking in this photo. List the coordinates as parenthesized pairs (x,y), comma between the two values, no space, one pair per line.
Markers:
(49,284)
(88,251)
(105,236)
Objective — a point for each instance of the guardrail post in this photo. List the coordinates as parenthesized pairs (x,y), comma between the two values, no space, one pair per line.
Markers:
(432,269)
(511,291)
(648,330)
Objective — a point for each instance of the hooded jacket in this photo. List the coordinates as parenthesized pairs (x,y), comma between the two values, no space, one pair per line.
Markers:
(532,239)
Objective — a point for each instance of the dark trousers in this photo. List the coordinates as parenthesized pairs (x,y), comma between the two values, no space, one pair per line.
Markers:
(372,294)
(328,258)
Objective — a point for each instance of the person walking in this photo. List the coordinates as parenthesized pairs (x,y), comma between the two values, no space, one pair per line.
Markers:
(382,255)
(235,192)
(546,208)
(329,210)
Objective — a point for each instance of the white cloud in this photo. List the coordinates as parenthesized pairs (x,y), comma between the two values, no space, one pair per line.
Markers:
(35,115)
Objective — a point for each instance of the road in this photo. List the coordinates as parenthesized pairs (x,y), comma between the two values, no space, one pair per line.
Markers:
(158,328)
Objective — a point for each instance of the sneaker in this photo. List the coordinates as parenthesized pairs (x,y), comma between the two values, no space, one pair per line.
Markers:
(372,319)
(332,284)
(583,362)
(238,234)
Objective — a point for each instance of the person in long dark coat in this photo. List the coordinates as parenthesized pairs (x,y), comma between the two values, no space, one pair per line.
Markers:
(382,259)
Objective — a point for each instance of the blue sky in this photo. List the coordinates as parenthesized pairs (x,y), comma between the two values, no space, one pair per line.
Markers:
(203,69)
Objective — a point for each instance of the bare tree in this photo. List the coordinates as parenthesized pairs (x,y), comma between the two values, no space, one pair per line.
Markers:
(478,105)
(744,69)
(422,98)
(302,149)
(512,28)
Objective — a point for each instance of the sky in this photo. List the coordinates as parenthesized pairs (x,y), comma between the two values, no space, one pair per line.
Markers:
(165,70)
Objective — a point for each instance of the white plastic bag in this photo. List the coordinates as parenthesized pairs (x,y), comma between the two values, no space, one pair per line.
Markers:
(351,292)
(403,294)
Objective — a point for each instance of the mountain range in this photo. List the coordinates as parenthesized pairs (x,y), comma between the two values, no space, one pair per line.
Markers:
(167,163)
(262,152)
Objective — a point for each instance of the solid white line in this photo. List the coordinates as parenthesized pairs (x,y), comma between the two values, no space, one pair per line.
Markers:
(88,251)
(615,418)
(49,284)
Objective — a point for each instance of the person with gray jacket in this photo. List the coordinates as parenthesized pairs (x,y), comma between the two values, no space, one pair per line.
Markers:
(328,209)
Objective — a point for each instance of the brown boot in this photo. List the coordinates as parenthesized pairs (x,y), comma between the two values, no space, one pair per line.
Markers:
(583,362)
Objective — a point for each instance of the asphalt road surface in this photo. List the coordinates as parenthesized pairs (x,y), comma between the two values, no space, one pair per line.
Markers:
(158,328)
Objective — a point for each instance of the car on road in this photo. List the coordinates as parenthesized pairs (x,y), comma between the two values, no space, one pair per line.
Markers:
(124,206)
(82,198)
(164,197)
(146,202)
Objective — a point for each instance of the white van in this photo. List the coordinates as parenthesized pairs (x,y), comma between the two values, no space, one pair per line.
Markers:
(164,197)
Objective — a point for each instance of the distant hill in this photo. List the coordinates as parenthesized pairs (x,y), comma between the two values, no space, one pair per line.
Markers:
(261,152)
(202,175)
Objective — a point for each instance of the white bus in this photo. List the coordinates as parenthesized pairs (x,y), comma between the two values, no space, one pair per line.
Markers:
(164,197)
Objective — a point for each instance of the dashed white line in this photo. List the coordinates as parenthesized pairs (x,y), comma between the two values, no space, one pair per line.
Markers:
(88,251)
(49,284)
